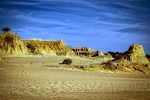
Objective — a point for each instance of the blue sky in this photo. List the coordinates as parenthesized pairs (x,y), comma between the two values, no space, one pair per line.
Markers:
(106,25)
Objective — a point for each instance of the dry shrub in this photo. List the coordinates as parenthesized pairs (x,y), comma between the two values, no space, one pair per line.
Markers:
(67,61)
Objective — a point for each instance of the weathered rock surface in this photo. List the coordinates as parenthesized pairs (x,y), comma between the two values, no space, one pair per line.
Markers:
(134,59)
(57,47)
(135,54)
(11,44)
(88,52)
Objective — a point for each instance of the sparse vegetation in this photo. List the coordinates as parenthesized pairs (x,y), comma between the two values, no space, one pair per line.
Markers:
(92,67)
(148,57)
(115,55)
(6,29)
(67,61)
(31,48)
(9,39)
(61,53)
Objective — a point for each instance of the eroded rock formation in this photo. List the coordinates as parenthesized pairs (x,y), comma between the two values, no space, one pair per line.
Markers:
(134,59)
(135,54)
(88,52)
(11,44)
(57,47)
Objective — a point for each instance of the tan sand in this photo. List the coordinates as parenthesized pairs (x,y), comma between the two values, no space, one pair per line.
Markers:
(42,78)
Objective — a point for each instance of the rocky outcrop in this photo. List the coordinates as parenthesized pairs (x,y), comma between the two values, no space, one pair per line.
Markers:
(87,52)
(135,54)
(115,55)
(11,44)
(134,59)
(57,47)
(148,57)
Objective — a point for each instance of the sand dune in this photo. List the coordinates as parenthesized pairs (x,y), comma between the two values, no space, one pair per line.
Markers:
(42,78)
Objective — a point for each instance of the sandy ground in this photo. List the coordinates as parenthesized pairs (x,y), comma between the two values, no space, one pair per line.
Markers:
(42,78)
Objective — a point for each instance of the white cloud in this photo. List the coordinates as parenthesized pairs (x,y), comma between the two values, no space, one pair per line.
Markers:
(35,39)
(23,3)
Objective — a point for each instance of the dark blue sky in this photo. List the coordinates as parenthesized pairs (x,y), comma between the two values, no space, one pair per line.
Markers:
(106,25)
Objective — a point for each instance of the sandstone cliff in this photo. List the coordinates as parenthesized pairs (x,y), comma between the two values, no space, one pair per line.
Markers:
(57,47)
(11,44)
(87,52)
(135,54)
(134,59)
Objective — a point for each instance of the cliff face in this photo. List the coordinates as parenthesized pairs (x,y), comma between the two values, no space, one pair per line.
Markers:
(134,59)
(11,44)
(48,47)
(135,54)
(88,52)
